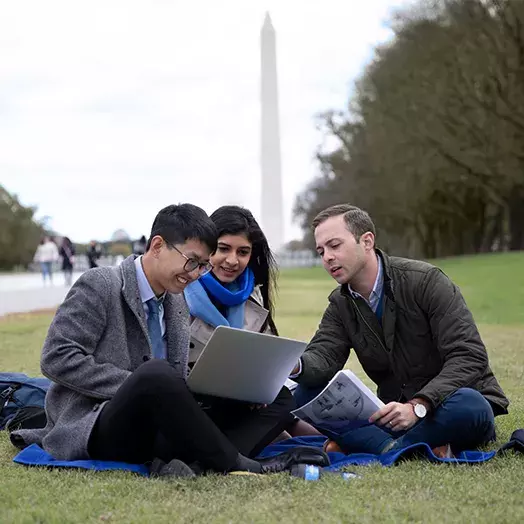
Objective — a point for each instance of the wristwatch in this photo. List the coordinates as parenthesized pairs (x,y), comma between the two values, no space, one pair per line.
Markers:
(420,410)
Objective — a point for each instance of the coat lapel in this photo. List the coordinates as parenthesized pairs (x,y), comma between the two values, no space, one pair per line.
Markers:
(254,316)
(131,294)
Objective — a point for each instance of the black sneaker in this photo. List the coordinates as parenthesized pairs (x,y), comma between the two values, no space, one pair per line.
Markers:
(298,455)
(174,469)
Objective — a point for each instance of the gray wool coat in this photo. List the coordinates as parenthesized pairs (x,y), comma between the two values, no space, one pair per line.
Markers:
(97,339)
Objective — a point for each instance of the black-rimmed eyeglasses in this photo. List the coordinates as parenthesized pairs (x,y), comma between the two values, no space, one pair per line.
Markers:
(193,263)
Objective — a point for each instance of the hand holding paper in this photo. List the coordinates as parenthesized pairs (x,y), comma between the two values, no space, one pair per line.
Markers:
(395,416)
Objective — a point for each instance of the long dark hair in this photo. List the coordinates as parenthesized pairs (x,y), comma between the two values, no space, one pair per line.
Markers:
(236,220)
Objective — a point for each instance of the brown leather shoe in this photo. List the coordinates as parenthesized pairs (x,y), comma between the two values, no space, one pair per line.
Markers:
(330,446)
(443,452)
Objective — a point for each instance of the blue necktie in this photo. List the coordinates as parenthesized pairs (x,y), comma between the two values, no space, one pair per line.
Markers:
(154,328)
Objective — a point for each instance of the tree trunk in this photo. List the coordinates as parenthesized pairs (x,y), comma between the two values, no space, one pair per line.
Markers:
(516,219)
(495,233)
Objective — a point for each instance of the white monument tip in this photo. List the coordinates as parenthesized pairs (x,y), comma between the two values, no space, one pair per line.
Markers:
(271,169)
(268,25)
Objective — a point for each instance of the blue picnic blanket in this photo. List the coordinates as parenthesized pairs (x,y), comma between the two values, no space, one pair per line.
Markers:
(339,460)
(36,456)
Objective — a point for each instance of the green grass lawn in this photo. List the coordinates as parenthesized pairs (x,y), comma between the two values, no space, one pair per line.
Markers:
(414,491)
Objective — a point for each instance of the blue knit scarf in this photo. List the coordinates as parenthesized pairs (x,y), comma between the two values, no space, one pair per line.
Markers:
(233,297)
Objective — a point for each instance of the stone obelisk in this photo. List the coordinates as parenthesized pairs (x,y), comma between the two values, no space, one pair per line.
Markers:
(272,213)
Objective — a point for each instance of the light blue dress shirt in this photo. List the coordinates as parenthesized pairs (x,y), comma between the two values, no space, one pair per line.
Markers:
(378,286)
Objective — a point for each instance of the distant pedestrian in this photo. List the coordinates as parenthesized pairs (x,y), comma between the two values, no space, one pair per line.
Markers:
(139,247)
(93,254)
(45,255)
(67,252)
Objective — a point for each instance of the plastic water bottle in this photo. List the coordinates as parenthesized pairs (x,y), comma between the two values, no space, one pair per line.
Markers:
(310,472)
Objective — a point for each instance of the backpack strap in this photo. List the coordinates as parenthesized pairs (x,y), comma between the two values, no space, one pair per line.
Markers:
(6,395)
(516,442)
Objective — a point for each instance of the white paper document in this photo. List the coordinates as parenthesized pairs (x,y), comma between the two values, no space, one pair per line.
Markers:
(290,384)
(345,401)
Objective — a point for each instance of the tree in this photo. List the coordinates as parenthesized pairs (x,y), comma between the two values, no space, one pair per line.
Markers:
(19,232)
(432,143)
(120,248)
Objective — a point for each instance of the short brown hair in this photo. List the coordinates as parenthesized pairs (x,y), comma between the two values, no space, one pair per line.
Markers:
(357,220)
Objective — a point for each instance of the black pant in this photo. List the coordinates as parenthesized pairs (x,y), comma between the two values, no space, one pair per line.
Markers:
(154,414)
(248,428)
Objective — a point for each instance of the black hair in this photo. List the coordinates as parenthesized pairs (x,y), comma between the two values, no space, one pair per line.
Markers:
(177,224)
(236,220)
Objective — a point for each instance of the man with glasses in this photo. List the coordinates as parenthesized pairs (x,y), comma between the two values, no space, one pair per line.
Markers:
(117,353)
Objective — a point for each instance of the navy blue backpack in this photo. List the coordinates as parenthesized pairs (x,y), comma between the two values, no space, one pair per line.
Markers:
(22,399)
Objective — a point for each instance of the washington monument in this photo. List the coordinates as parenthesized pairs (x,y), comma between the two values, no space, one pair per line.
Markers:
(272,214)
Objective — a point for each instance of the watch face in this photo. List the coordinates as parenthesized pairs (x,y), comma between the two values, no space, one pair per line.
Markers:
(420,410)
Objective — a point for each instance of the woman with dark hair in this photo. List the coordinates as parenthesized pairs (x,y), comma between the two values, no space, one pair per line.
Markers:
(67,252)
(239,292)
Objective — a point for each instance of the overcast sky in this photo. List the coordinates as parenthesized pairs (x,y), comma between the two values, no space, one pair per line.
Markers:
(110,110)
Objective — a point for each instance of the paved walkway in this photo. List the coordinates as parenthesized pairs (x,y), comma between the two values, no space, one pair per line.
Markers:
(24,292)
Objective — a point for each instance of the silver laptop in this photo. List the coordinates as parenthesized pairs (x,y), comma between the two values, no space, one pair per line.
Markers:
(244,365)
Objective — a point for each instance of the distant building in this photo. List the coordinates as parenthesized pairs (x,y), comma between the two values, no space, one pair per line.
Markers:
(120,235)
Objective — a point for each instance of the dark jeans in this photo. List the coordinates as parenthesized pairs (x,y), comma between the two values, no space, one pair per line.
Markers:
(154,414)
(464,420)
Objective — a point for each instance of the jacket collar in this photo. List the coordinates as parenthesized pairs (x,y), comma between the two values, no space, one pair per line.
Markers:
(389,316)
(386,272)
(144,288)
(130,288)
(389,312)
(386,275)
(378,286)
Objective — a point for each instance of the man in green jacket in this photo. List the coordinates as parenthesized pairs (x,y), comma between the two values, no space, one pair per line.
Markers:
(414,336)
